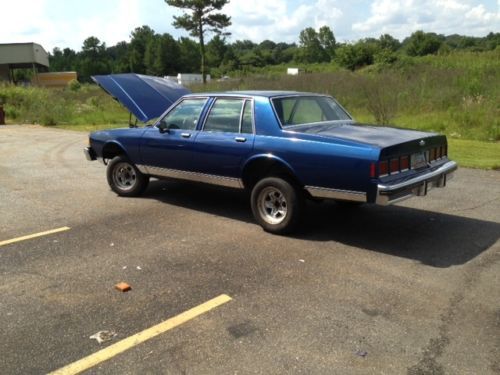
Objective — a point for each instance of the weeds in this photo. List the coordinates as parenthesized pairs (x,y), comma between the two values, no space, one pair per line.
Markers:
(85,105)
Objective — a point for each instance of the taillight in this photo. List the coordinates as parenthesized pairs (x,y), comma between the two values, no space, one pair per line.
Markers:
(433,154)
(373,170)
(404,163)
(383,168)
(394,165)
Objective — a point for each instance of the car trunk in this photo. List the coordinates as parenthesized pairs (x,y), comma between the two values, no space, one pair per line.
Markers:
(401,150)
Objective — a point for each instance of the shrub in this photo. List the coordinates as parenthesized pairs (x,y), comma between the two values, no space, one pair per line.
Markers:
(74,85)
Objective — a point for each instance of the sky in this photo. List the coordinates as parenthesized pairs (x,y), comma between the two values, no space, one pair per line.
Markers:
(65,23)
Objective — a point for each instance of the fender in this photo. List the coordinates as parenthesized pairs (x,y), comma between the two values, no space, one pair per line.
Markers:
(112,148)
(269,159)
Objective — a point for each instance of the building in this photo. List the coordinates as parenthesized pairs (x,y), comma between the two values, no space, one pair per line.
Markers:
(22,56)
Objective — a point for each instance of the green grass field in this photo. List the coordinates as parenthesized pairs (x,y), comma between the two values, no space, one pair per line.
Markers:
(475,154)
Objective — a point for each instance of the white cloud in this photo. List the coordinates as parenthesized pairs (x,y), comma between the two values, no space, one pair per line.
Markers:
(68,23)
(55,24)
(18,25)
(258,20)
(401,18)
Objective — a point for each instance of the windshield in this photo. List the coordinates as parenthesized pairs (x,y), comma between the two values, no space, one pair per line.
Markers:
(298,110)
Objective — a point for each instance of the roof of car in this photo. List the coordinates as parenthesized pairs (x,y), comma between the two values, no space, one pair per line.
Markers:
(261,93)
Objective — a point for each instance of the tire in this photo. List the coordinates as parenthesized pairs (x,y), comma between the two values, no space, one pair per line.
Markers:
(124,178)
(276,205)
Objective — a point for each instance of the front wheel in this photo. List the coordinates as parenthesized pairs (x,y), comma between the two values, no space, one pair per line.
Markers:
(124,178)
(276,205)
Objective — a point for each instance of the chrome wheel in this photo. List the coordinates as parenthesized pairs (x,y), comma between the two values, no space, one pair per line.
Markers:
(272,205)
(124,176)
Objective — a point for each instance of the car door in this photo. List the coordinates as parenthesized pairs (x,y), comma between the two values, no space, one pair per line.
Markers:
(226,138)
(168,145)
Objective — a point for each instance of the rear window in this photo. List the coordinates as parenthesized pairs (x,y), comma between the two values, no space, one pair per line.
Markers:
(298,110)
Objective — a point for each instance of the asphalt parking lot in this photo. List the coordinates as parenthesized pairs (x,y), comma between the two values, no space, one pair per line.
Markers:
(412,288)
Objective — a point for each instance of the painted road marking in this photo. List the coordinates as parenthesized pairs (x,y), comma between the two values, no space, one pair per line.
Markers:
(131,341)
(30,236)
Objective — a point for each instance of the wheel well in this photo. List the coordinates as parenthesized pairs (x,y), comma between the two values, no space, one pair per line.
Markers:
(111,150)
(261,168)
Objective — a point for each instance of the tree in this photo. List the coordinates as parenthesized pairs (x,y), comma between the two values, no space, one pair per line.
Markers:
(189,55)
(93,58)
(311,50)
(353,56)
(421,44)
(284,53)
(139,40)
(119,55)
(388,42)
(150,56)
(327,40)
(200,20)
(162,55)
(215,51)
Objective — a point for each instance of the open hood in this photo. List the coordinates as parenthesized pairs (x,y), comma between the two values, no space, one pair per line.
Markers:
(146,97)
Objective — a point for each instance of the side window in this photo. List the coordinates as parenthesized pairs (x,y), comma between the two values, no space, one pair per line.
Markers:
(185,115)
(284,108)
(224,116)
(307,111)
(247,120)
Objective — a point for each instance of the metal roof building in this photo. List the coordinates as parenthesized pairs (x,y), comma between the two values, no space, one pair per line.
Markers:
(22,56)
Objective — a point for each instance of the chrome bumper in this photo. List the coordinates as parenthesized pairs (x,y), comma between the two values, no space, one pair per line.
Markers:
(89,154)
(417,186)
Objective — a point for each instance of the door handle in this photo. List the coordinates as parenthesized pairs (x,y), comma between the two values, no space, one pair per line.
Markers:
(240,139)
(185,135)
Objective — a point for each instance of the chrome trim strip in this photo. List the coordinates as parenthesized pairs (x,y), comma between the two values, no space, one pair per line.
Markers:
(192,176)
(142,168)
(348,195)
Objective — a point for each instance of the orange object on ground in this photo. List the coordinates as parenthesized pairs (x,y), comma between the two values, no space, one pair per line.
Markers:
(123,287)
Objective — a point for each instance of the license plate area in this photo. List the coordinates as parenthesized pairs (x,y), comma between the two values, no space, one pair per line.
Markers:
(418,160)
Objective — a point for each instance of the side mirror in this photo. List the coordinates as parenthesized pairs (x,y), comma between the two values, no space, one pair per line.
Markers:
(163,129)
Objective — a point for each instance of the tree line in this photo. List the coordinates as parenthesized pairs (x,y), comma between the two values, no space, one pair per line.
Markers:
(157,54)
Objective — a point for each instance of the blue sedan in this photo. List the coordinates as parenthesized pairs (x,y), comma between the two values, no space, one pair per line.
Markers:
(283,147)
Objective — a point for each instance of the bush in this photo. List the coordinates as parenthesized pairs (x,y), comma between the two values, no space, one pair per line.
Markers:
(382,97)
(74,85)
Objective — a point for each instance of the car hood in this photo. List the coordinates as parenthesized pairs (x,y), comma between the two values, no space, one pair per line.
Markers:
(380,136)
(147,97)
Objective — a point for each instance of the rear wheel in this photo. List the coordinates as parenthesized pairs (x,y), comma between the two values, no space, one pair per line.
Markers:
(124,178)
(276,205)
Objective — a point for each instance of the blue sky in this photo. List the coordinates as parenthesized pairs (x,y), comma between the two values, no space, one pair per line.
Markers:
(62,23)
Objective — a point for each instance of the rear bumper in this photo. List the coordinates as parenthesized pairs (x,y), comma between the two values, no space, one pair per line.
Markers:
(416,186)
(89,154)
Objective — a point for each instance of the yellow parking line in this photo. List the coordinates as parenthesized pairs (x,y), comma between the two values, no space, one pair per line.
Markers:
(131,341)
(30,236)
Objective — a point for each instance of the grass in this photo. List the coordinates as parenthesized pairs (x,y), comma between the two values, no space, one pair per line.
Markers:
(475,154)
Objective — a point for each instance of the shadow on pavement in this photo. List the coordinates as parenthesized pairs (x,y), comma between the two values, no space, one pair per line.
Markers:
(432,238)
